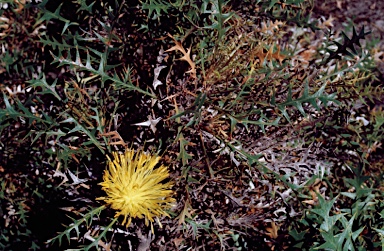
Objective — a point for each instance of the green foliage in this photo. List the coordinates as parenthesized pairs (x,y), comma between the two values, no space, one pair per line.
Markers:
(21,111)
(205,15)
(305,98)
(56,15)
(86,219)
(156,7)
(345,228)
(296,12)
(15,209)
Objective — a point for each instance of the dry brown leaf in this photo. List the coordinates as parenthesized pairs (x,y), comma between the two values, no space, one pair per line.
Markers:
(60,174)
(276,55)
(85,186)
(187,211)
(273,230)
(339,4)
(269,55)
(21,4)
(310,202)
(308,55)
(186,55)
(90,236)
(328,23)
(114,138)
(270,26)
(260,54)
(178,241)
(314,191)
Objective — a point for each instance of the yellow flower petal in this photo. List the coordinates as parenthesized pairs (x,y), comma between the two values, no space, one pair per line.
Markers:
(134,186)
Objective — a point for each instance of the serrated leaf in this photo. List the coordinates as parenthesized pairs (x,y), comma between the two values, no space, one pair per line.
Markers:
(296,235)
(12,113)
(324,207)
(78,65)
(330,242)
(155,6)
(349,195)
(357,233)
(305,98)
(380,231)
(183,155)
(80,128)
(46,88)
(86,218)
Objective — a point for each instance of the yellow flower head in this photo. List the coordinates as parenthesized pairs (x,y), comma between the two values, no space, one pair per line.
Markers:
(134,187)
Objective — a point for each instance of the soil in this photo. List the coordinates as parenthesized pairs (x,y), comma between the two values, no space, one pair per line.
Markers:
(367,14)
(363,13)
